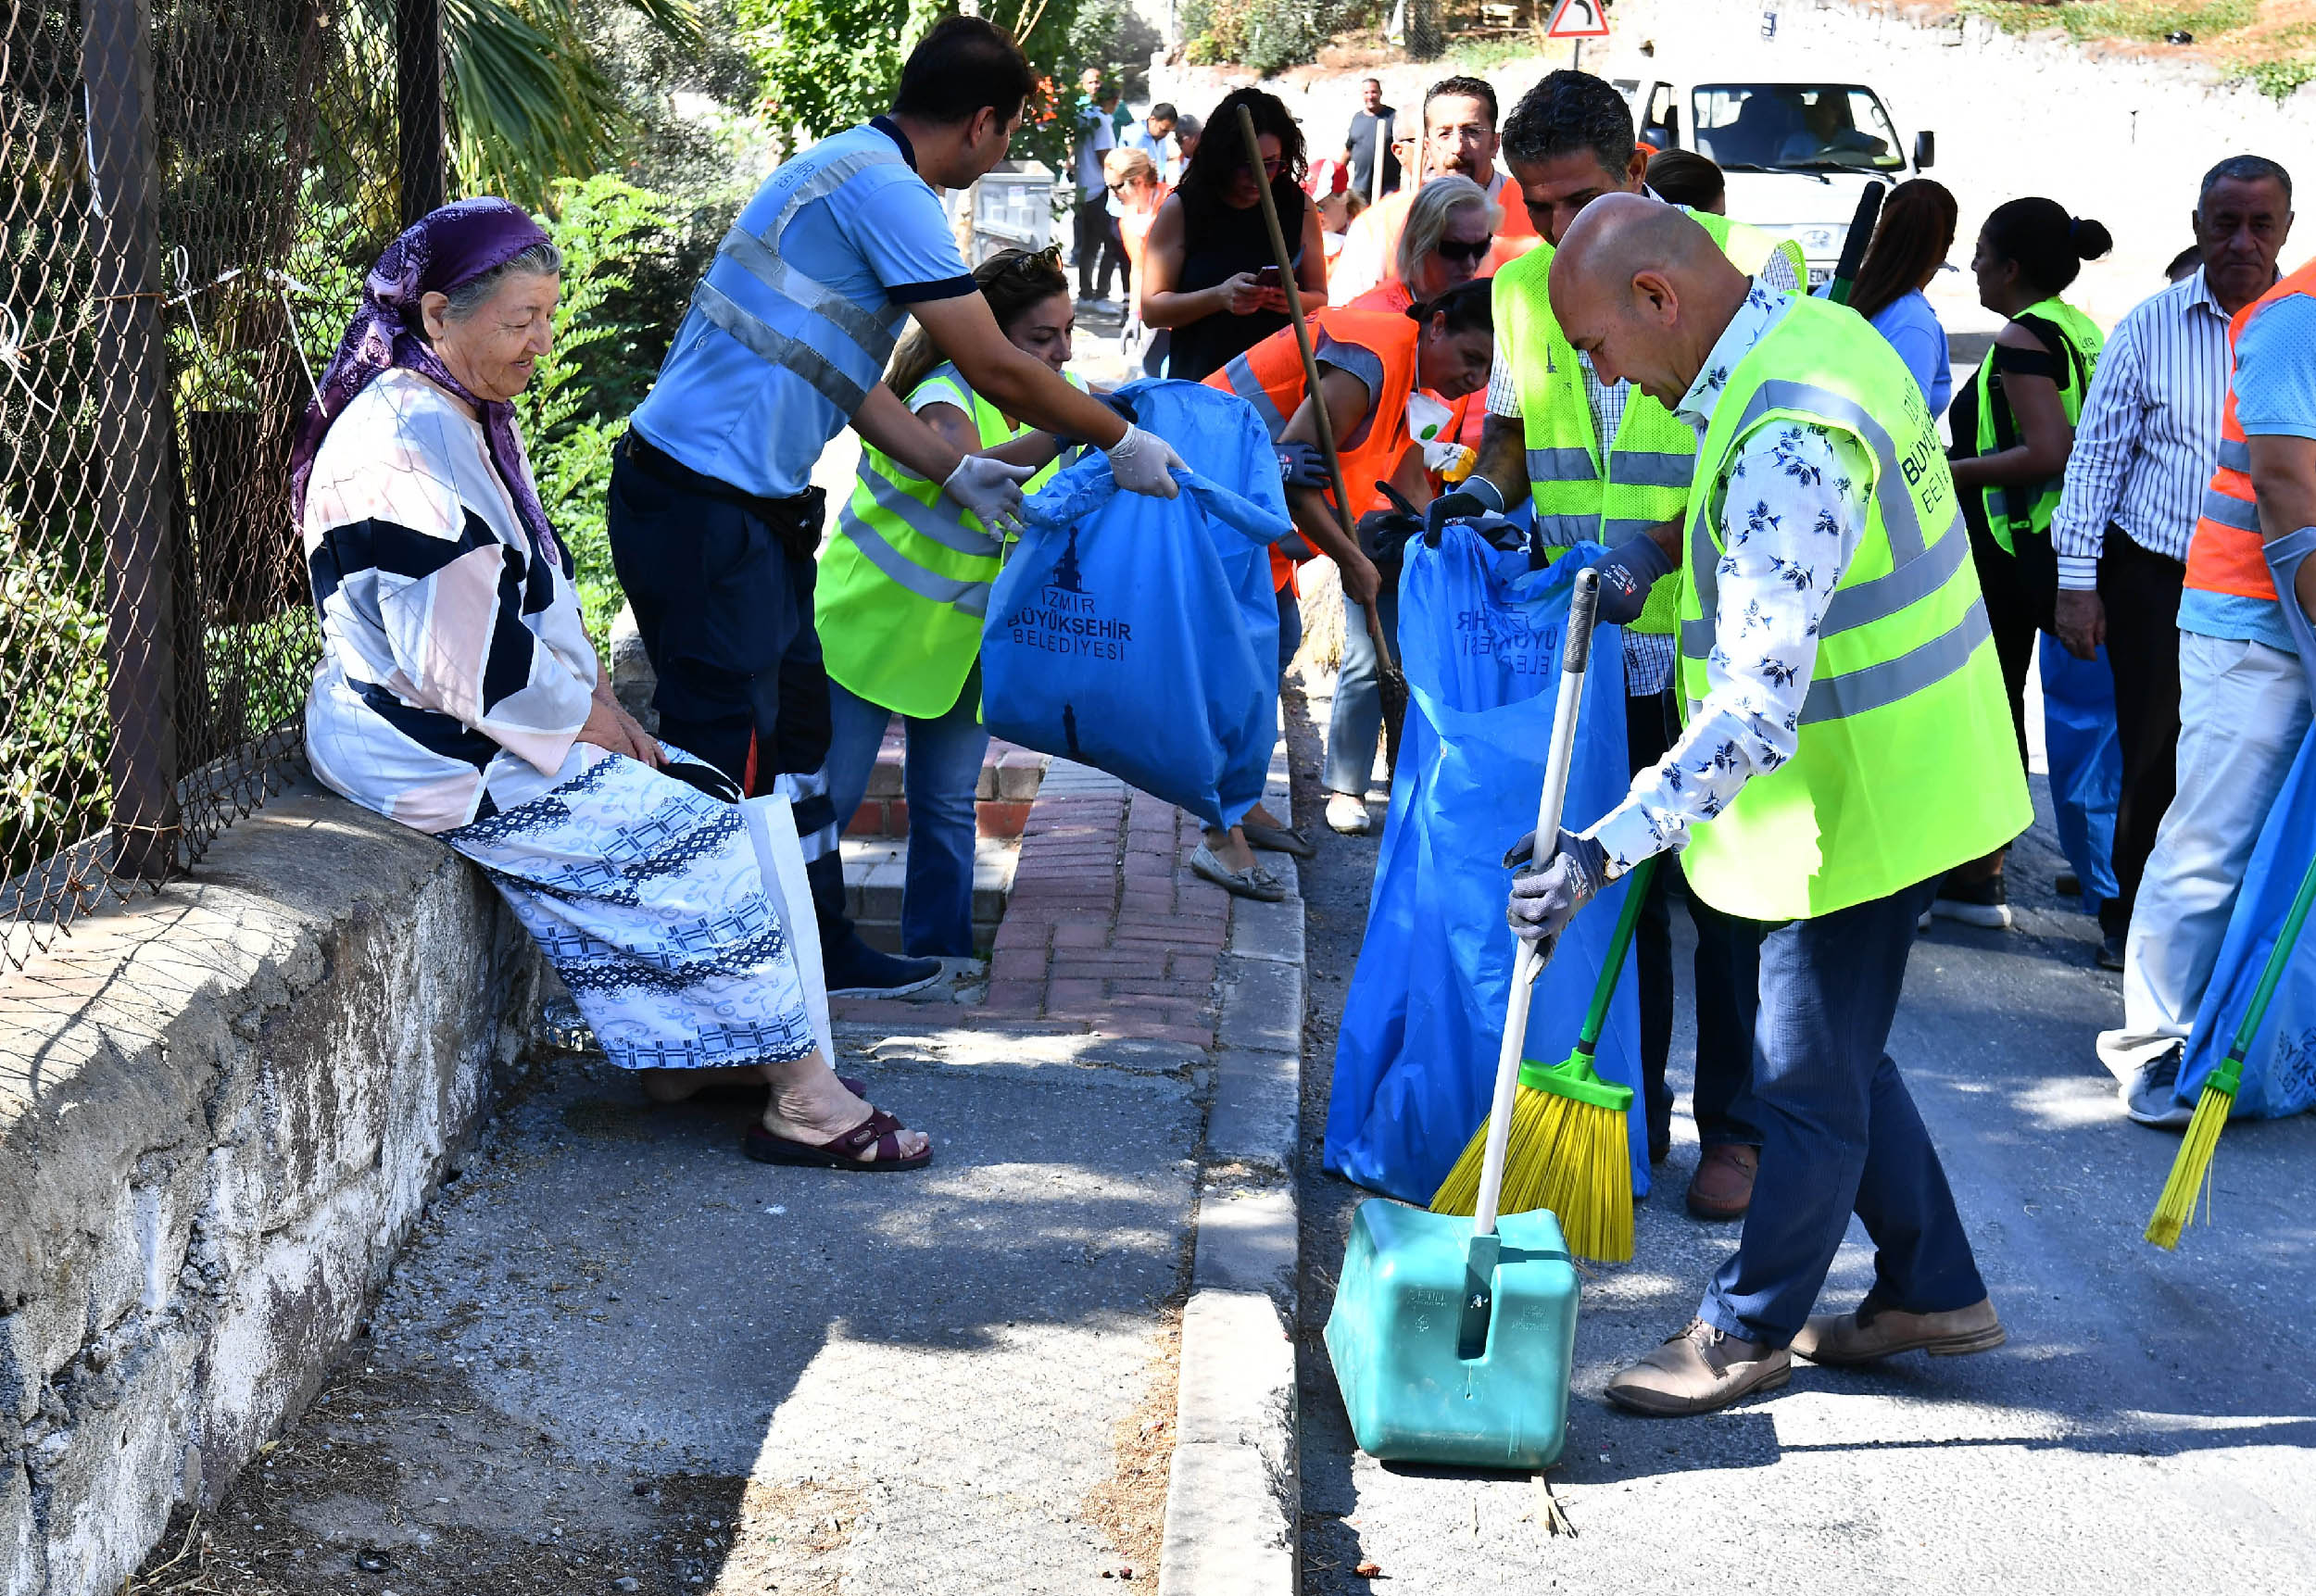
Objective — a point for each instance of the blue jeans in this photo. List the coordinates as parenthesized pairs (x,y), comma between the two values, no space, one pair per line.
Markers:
(1358,714)
(1838,1133)
(943,767)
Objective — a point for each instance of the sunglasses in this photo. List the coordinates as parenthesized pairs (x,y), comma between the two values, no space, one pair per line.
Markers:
(1273,167)
(1449,249)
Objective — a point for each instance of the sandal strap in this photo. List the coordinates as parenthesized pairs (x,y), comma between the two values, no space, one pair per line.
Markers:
(877,1131)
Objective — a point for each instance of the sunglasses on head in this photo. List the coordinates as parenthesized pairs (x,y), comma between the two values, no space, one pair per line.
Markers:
(1475,253)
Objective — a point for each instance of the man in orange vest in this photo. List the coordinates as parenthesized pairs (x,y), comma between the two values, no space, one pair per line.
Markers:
(2245,652)
(1459,135)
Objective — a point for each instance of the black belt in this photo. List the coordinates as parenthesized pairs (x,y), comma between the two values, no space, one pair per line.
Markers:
(796,522)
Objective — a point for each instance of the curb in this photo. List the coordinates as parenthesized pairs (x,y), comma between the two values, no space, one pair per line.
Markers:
(1234,1492)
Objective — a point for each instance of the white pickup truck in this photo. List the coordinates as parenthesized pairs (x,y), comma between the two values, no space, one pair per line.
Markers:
(1796,154)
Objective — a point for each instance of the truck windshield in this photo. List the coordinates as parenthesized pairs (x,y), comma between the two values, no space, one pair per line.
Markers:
(1794,127)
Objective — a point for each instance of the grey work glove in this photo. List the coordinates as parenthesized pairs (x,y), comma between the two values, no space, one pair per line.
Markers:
(991,489)
(1627,572)
(1546,897)
(1299,464)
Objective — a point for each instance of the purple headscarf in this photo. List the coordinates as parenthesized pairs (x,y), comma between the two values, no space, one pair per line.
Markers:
(439,252)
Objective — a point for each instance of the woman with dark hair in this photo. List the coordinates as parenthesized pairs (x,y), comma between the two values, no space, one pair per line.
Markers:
(902,590)
(1684,177)
(458,694)
(1909,245)
(1209,248)
(2013,428)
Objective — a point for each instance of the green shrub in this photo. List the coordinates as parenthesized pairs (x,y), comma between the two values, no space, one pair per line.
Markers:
(1279,35)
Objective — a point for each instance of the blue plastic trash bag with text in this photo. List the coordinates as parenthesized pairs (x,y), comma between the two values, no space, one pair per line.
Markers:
(1480,638)
(2280,1066)
(2086,760)
(1139,636)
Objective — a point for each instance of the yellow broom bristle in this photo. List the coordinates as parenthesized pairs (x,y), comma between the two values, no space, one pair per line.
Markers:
(2191,1171)
(1564,1156)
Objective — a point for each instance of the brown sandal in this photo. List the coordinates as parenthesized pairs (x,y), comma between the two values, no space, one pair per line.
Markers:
(880,1130)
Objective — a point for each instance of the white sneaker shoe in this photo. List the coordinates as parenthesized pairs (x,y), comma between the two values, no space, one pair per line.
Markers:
(1348,814)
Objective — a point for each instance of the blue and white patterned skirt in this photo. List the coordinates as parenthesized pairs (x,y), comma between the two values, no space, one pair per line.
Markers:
(645,894)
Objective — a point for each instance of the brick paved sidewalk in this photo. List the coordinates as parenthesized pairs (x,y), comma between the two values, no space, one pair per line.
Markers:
(1107,932)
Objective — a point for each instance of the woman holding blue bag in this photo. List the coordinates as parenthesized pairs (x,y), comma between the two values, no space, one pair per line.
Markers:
(902,589)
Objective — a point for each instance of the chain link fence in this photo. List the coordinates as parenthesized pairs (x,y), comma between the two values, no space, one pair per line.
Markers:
(190,191)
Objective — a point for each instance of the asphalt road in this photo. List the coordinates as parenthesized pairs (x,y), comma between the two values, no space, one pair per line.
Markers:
(2147,1427)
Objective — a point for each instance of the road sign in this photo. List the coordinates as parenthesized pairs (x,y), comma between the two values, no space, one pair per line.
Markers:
(1578,19)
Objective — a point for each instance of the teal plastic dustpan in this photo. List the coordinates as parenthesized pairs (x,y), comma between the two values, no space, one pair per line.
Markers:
(1430,1374)
(1453,1338)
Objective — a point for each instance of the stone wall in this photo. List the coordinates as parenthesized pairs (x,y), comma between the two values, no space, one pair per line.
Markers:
(222,1108)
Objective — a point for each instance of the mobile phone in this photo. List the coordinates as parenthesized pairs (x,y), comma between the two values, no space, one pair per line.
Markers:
(1270,277)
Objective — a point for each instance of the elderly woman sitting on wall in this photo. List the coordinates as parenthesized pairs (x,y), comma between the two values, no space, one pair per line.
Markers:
(458,694)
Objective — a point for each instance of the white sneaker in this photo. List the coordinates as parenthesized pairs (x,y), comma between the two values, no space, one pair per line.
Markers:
(1348,814)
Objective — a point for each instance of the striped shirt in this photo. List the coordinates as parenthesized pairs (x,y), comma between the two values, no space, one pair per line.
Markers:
(2150,429)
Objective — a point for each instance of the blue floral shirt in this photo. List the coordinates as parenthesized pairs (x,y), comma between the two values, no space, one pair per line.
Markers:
(1791,501)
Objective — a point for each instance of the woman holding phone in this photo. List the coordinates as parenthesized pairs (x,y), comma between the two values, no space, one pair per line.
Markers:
(1209,274)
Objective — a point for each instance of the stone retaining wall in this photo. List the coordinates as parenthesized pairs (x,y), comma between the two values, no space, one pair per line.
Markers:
(222,1106)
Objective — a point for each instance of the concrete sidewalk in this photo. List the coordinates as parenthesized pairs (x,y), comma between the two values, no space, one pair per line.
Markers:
(619,1357)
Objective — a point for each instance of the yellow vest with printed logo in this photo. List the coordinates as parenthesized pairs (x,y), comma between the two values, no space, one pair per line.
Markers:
(904,586)
(1644,479)
(2025,510)
(1906,764)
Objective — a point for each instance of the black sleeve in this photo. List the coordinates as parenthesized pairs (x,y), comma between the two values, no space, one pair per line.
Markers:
(2029,363)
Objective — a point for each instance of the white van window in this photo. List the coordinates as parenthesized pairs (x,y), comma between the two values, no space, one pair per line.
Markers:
(1794,127)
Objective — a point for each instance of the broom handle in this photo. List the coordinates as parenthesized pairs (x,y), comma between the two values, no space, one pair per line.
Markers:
(1604,989)
(2232,1067)
(1385,663)
(1527,962)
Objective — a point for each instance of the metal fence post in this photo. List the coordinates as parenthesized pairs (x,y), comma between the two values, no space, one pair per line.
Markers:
(135,507)
(418,90)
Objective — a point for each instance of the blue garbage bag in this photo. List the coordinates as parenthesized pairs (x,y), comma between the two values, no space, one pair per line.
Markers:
(1139,636)
(1480,640)
(2086,760)
(2280,1067)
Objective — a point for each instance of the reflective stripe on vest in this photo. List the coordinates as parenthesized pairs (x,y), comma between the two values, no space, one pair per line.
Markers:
(1904,763)
(1239,378)
(904,588)
(758,254)
(1647,465)
(1381,353)
(2227,553)
(1918,569)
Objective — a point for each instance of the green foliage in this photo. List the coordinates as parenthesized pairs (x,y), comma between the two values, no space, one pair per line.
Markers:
(54,742)
(1279,35)
(825,65)
(602,225)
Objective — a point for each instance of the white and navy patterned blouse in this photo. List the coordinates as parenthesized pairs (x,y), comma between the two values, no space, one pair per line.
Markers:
(1793,511)
(456,670)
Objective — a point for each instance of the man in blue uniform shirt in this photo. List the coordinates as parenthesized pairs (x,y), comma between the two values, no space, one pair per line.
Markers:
(712,518)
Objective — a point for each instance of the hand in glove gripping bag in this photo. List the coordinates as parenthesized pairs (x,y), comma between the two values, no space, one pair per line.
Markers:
(1144,462)
(1627,572)
(991,489)
(1383,534)
(1300,465)
(1546,897)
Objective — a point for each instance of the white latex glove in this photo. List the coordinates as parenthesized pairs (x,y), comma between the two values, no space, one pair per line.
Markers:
(991,489)
(1144,462)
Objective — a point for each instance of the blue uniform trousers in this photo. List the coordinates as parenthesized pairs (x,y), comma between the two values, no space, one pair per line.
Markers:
(1839,1132)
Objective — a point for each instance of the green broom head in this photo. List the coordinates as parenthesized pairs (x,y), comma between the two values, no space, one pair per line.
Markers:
(2191,1171)
(1580,1166)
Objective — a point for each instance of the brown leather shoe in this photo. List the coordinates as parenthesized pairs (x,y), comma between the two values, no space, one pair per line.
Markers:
(1722,1186)
(1871,1332)
(1697,1371)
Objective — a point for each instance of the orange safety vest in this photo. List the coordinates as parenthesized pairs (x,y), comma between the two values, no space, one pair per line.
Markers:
(2226,555)
(1270,377)
(1471,410)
